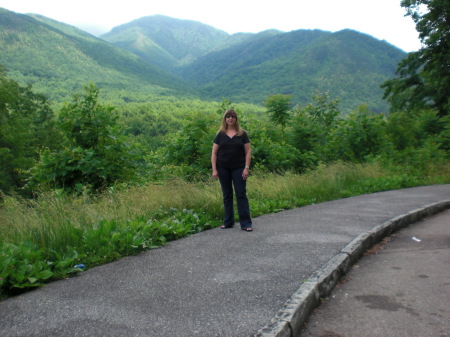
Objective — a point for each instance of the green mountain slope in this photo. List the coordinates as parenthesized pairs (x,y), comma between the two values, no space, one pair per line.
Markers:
(246,55)
(59,59)
(249,67)
(169,43)
(348,64)
(165,41)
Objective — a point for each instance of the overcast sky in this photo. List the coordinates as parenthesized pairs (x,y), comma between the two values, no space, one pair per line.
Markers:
(383,19)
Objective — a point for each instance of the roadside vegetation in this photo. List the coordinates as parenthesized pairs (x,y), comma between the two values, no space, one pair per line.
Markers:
(58,234)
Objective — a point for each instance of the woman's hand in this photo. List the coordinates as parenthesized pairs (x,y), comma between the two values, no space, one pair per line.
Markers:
(245,173)
(215,174)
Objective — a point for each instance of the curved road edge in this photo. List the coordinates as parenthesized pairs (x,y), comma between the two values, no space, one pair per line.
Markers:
(290,319)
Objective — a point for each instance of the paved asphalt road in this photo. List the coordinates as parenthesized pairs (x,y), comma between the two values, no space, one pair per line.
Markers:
(401,289)
(215,283)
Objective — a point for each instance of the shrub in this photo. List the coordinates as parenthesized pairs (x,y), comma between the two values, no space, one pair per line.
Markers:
(95,153)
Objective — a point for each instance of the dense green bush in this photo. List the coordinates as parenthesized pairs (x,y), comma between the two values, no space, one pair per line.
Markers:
(360,134)
(94,153)
(90,146)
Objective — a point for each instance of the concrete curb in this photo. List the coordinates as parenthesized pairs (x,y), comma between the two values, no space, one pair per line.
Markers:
(290,319)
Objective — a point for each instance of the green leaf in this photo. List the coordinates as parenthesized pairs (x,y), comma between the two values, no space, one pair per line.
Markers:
(44,274)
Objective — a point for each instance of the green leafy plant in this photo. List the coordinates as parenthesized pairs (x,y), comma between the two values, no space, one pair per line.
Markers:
(23,266)
(95,153)
(279,106)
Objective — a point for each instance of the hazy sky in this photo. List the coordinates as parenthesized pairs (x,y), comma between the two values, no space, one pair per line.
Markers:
(383,19)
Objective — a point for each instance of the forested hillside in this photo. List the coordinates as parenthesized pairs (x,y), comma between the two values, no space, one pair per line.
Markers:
(166,42)
(348,64)
(59,60)
(170,43)
(249,67)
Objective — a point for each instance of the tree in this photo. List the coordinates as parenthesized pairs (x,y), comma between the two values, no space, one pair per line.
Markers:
(191,146)
(223,106)
(424,76)
(95,153)
(324,110)
(26,125)
(313,125)
(278,107)
(359,134)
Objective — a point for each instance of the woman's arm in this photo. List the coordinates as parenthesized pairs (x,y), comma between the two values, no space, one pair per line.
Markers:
(248,159)
(215,173)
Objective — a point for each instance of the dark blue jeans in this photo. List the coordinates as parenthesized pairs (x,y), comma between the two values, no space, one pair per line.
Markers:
(229,178)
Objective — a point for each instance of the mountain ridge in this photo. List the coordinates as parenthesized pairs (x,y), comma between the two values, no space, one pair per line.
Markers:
(185,57)
(181,40)
(251,66)
(300,63)
(56,56)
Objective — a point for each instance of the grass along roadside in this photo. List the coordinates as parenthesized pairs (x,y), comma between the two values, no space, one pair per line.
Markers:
(55,235)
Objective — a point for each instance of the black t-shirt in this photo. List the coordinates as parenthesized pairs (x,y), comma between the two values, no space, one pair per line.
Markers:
(231,153)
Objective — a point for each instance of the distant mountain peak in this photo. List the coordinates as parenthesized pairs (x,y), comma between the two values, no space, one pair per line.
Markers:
(181,40)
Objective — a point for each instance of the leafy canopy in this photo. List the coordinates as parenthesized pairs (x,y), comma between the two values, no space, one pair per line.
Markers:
(278,107)
(424,76)
(26,125)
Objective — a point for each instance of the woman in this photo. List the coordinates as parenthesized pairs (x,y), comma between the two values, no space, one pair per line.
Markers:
(230,159)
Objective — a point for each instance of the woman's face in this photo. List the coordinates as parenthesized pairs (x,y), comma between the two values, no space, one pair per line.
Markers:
(230,119)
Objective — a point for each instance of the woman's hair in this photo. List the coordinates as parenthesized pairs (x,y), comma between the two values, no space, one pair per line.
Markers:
(224,125)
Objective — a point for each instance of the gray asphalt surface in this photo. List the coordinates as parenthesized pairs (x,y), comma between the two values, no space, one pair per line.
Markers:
(216,283)
(401,289)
